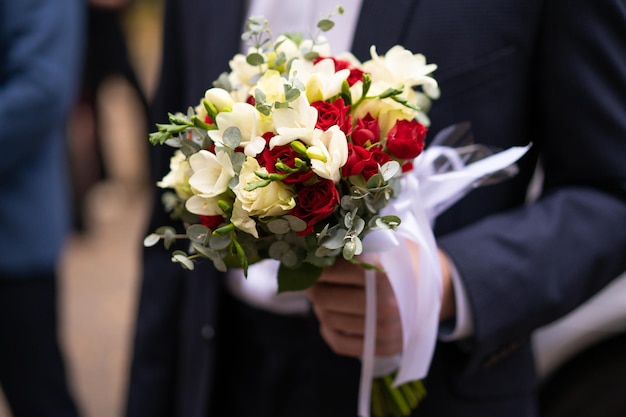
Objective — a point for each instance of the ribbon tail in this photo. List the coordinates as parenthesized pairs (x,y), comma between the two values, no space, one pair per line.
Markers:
(369,345)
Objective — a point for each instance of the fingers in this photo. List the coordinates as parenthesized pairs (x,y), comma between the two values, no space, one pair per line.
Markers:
(340,308)
(347,344)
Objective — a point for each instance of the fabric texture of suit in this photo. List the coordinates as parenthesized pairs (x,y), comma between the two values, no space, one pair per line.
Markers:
(547,72)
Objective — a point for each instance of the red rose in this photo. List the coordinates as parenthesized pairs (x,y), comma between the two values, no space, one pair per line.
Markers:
(356,74)
(331,114)
(378,158)
(366,132)
(286,155)
(358,156)
(315,202)
(406,139)
(212,222)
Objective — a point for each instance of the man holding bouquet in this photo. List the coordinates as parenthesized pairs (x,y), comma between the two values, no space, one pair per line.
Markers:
(550,73)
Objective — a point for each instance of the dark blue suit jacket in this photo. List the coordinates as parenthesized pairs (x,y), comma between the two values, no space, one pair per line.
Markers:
(548,72)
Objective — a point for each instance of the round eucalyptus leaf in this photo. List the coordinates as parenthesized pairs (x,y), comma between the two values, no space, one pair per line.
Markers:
(151,240)
(296,224)
(220,242)
(198,233)
(358,225)
(278,226)
(290,259)
(278,249)
(184,261)
(255,59)
(390,169)
(232,137)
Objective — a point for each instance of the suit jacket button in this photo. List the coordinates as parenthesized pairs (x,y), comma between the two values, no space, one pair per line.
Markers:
(207,332)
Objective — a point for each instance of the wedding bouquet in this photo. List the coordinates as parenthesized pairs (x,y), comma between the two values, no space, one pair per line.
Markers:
(293,154)
(296,155)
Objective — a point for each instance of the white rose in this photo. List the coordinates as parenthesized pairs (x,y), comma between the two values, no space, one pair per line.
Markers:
(211,173)
(328,153)
(274,199)
(178,177)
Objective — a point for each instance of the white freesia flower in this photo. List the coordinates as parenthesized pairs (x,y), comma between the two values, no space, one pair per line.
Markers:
(328,153)
(212,173)
(399,67)
(320,80)
(296,122)
(272,85)
(178,177)
(219,98)
(206,206)
(251,125)
(274,199)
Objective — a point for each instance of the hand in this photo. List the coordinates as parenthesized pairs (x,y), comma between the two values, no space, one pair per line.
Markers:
(338,299)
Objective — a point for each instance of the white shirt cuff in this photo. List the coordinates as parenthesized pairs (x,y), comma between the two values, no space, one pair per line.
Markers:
(462,325)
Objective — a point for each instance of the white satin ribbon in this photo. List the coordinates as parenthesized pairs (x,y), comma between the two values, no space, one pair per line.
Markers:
(425,194)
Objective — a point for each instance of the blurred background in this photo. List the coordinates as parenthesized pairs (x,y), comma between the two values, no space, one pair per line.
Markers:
(99,269)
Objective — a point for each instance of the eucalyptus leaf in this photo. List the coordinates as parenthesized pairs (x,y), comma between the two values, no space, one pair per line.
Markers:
(295,224)
(278,249)
(206,252)
(278,226)
(358,226)
(198,233)
(182,259)
(232,137)
(325,25)
(169,237)
(390,169)
(311,56)
(335,240)
(255,59)
(220,242)
(290,259)
(151,240)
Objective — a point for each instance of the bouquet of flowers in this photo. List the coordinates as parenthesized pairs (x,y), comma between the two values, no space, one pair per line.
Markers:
(295,155)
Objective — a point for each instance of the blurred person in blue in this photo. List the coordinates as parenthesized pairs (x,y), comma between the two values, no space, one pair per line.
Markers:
(41,48)
(548,72)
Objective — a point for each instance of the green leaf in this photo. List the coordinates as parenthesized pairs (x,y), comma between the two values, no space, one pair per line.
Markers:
(390,169)
(255,59)
(311,56)
(325,25)
(279,226)
(296,224)
(151,240)
(198,233)
(297,279)
(220,242)
(278,249)
(232,137)
(181,258)
(291,93)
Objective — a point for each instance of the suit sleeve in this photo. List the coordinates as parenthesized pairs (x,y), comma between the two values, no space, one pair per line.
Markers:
(531,265)
(40,45)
